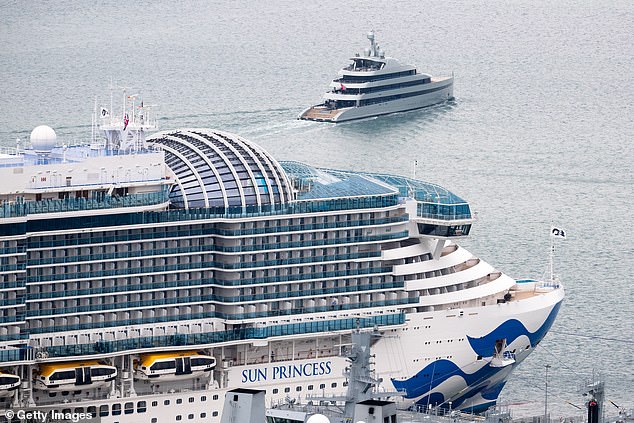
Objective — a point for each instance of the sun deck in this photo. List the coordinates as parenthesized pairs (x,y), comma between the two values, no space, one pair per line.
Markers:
(321,113)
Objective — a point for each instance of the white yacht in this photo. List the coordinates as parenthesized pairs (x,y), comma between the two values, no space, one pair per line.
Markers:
(374,85)
(143,277)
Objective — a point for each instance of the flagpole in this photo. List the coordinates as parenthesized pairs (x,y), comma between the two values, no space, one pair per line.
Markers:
(111,101)
(94,122)
(552,252)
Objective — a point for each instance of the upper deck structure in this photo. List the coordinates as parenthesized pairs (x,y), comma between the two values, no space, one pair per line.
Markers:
(374,85)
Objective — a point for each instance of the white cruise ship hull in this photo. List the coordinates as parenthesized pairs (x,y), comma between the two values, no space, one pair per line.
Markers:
(435,341)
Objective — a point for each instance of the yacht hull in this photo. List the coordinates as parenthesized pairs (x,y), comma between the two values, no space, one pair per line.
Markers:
(320,113)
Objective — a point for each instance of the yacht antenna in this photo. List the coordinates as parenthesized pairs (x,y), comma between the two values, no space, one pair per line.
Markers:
(372,43)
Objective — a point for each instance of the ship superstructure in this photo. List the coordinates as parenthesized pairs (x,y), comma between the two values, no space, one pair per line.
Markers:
(141,278)
(374,84)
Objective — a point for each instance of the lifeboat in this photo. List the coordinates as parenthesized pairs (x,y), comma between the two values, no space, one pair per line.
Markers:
(74,376)
(8,384)
(171,366)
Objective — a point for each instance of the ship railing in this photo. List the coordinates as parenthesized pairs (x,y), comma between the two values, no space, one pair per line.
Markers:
(224,299)
(375,271)
(20,208)
(168,216)
(208,338)
(444,411)
(78,259)
(209,298)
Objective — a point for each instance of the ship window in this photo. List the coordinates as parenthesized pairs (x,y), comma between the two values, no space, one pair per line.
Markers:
(191,399)
(141,407)
(287,390)
(322,386)
(101,371)
(103,411)
(298,389)
(70,374)
(275,391)
(166,402)
(128,408)
(310,387)
(179,401)
(333,385)
(179,418)
(215,397)
(116,409)
(163,365)
(154,403)
(203,398)
(190,417)
(154,420)
(202,362)
(215,414)
(203,415)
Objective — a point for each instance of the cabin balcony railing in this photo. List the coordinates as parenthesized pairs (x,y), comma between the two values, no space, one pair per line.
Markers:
(196,339)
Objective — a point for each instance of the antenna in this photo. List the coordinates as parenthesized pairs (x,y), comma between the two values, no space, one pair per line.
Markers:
(546,399)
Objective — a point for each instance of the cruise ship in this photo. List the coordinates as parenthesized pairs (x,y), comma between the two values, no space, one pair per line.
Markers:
(145,274)
(374,85)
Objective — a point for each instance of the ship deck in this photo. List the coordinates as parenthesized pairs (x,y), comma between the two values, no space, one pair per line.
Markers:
(320,113)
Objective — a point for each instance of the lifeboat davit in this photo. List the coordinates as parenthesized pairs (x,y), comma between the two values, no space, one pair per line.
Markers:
(177,365)
(9,383)
(74,376)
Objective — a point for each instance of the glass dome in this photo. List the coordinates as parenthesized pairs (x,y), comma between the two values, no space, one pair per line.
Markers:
(219,169)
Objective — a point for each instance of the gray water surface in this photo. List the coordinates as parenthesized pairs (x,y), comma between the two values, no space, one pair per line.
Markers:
(540,131)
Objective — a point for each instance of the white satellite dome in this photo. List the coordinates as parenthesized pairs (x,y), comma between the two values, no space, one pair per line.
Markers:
(43,139)
(318,418)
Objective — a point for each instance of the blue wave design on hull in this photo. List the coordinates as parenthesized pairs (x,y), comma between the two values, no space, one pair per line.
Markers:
(436,373)
(439,371)
(511,330)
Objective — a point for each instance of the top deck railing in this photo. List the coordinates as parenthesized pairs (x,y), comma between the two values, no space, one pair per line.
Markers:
(24,208)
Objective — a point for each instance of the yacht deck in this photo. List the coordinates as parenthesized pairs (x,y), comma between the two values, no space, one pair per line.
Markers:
(320,113)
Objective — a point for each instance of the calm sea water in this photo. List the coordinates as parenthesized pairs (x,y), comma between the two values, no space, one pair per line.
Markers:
(540,131)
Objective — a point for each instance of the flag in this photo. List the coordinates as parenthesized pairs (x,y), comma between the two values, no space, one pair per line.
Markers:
(557,232)
(343,87)
(104,113)
(125,121)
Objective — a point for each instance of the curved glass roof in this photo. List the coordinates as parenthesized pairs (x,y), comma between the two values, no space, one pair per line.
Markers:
(434,201)
(219,169)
